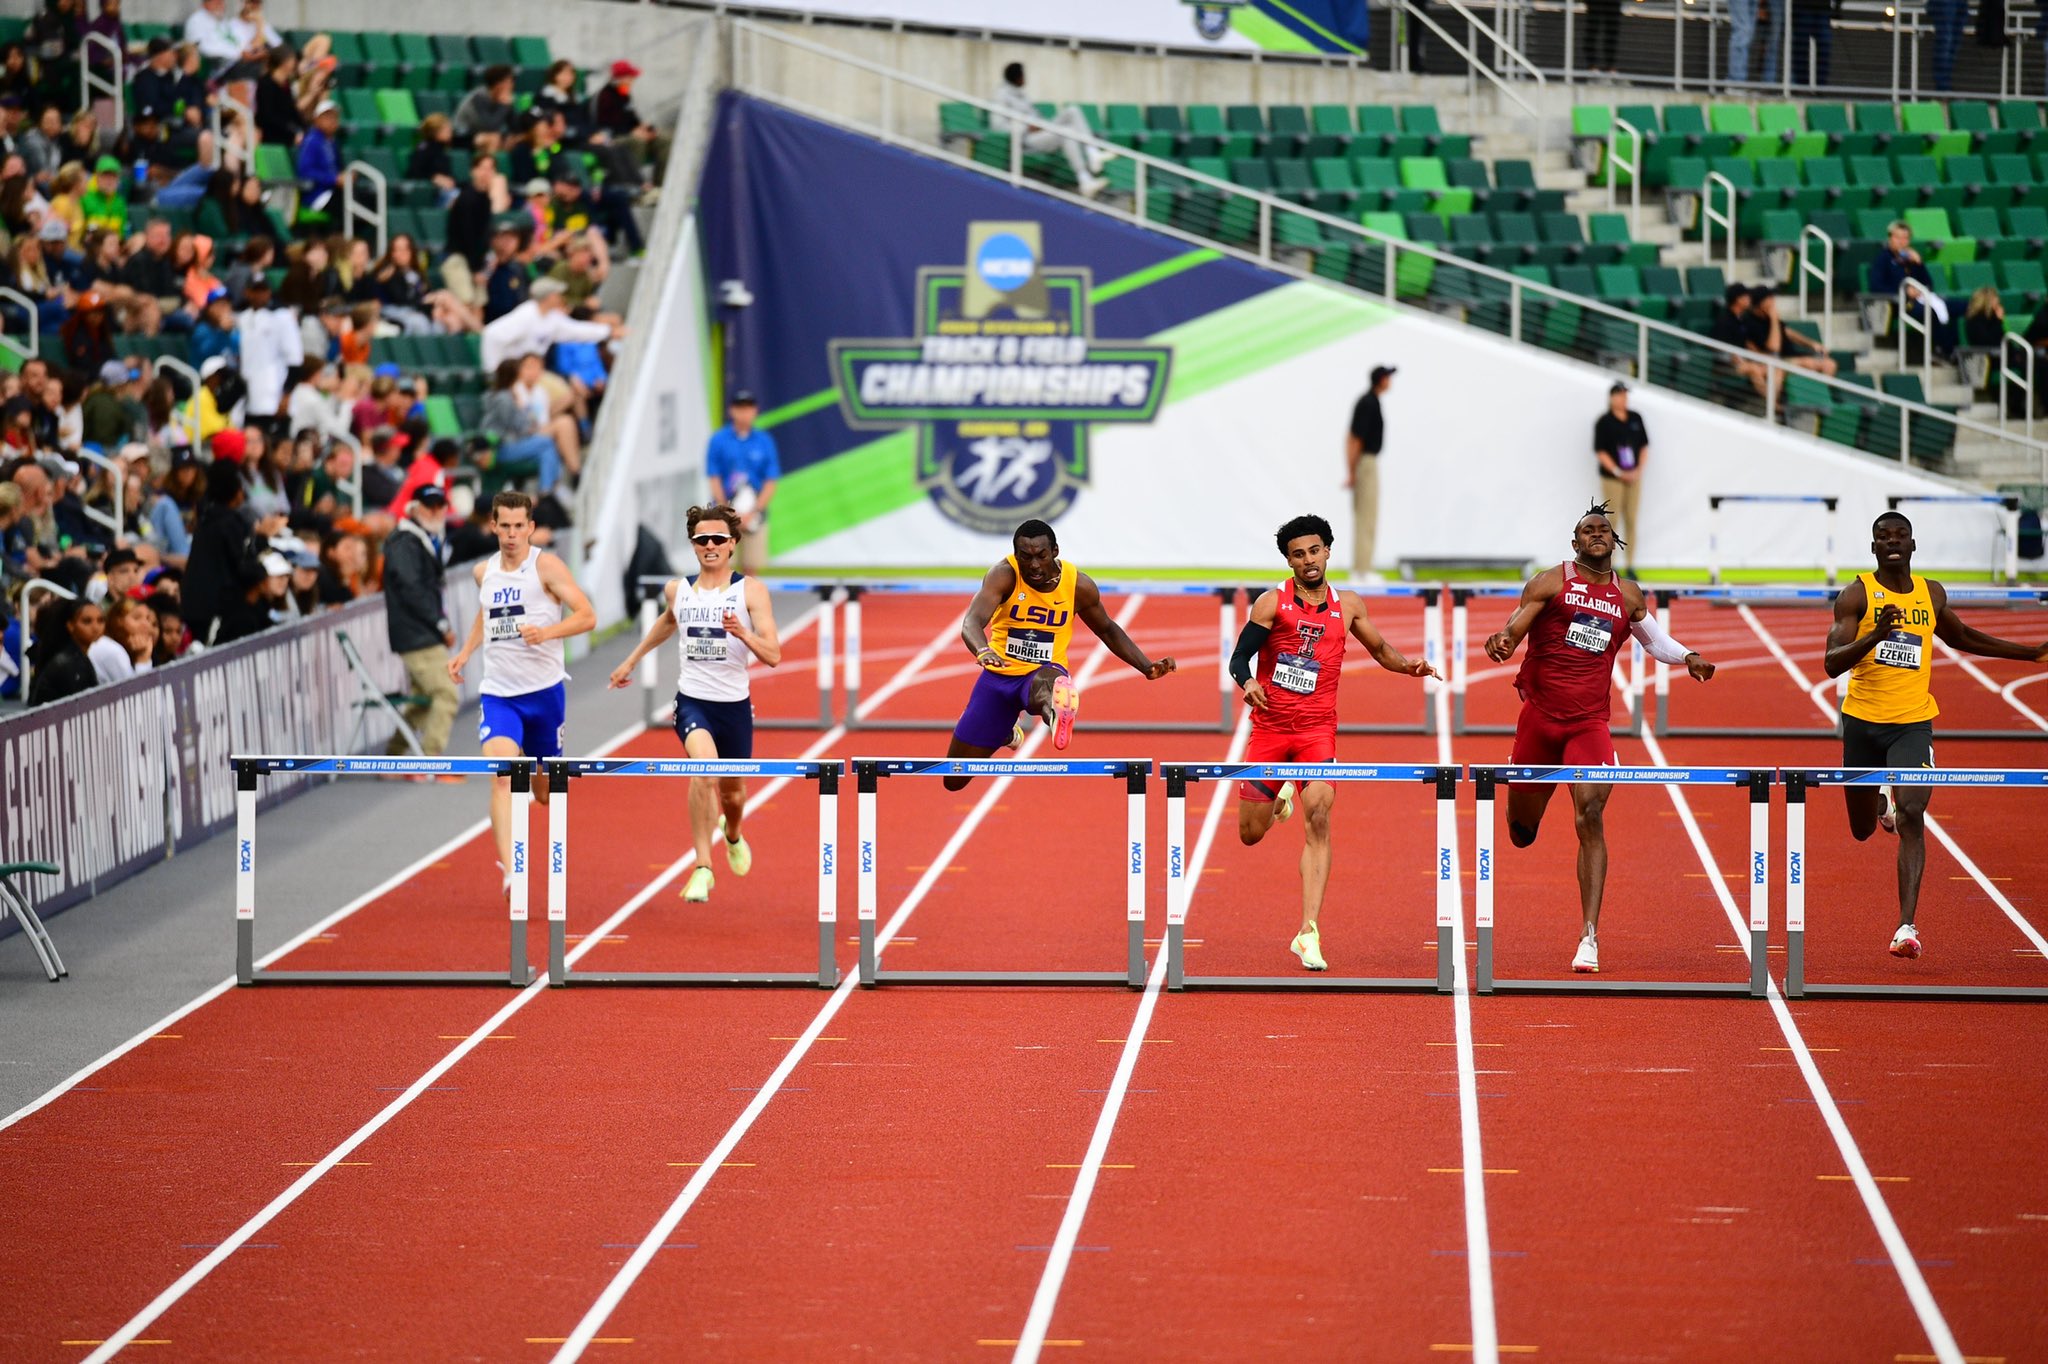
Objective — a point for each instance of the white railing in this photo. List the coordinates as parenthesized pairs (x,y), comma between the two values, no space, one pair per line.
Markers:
(379,218)
(224,102)
(1709,217)
(1618,129)
(1922,324)
(109,88)
(117,490)
(1475,66)
(1825,273)
(1478,282)
(35,325)
(2010,377)
(177,366)
(28,624)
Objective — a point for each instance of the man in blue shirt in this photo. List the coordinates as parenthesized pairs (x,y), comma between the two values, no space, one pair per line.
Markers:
(742,465)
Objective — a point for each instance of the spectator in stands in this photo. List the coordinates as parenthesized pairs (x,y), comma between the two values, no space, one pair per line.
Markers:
(1898,266)
(110,654)
(484,117)
(743,466)
(213,335)
(259,606)
(1020,118)
(155,83)
(264,469)
(219,402)
(151,270)
(64,632)
(53,37)
(1813,41)
(162,523)
(398,284)
(430,159)
(1621,443)
(557,95)
(251,264)
(321,401)
(415,568)
(109,422)
(1769,335)
(104,203)
(120,571)
(249,28)
(223,562)
(345,564)
(629,135)
(232,49)
(192,255)
(383,476)
(521,417)
(319,163)
(17,77)
(508,278)
(27,272)
(1603,35)
(538,146)
(270,346)
(582,270)
(279,118)
(1948,18)
(172,638)
(42,147)
(539,323)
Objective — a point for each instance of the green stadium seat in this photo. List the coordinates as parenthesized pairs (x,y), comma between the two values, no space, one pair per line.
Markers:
(2009,168)
(2024,276)
(2027,220)
(962,120)
(359,107)
(532,52)
(2022,114)
(1969,276)
(1979,222)
(1777,174)
(1832,119)
(1843,425)
(1929,224)
(1241,118)
(415,52)
(1592,120)
(1576,279)
(1738,172)
(1288,119)
(452,51)
(1164,118)
(1561,229)
(1882,119)
(1660,281)
(492,49)
(1291,179)
(1706,282)
(1825,173)
(1736,120)
(1778,226)
(1779,120)
(1807,145)
(1608,229)
(1123,118)
(1331,119)
(1872,224)
(1420,120)
(1423,172)
(1926,117)
(1965,170)
(396,109)
(1252,172)
(1949,144)
(273,164)
(1206,120)
(1873,171)
(1378,120)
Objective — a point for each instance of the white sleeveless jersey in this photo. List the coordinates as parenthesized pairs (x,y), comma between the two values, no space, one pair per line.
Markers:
(510,598)
(712,663)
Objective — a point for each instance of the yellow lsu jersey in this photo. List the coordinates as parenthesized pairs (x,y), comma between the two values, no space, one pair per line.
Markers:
(1031,628)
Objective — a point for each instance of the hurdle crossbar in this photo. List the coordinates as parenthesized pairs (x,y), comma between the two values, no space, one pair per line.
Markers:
(1960,595)
(1180,887)
(1461,648)
(2005,545)
(562,772)
(1133,772)
(1714,501)
(1797,782)
(249,769)
(1486,782)
(829,594)
(1431,596)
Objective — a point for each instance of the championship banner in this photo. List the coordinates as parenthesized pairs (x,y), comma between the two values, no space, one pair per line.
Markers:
(1341,26)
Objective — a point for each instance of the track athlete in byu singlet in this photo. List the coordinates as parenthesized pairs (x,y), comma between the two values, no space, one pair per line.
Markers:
(1297,632)
(720,619)
(1573,616)
(527,605)
(1883,636)
(1017,628)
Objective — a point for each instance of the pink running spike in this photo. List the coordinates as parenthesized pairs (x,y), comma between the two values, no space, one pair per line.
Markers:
(1066,704)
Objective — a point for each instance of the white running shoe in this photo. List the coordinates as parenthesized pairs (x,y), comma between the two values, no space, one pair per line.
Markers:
(1283,803)
(1098,157)
(1906,942)
(1092,186)
(1308,945)
(1587,958)
(698,888)
(1889,820)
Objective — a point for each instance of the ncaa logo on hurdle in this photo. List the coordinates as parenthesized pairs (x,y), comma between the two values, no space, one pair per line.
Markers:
(558,856)
(867,857)
(1486,864)
(825,858)
(1174,869)
(1795,867)
(1443,864)
(1756,868)
(1137,858)
(248,855)
(518,857)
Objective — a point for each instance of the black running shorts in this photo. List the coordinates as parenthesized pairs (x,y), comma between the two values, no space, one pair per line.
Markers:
(1865,744)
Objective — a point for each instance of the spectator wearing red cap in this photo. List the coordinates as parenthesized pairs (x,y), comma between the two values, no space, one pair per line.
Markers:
(616,118)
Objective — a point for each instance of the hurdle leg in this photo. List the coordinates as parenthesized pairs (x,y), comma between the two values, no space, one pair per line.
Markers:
(1134,876)
(864,814)
(558,874)
(828,875)
(1177,888)
(245,874)
(1795,885)
(1759,883)
(1448,900)
(1461,626)
(850,647)
(1432,653)
(826,612)
(650,666)
(1482,878)
(1226,642)
(519,972)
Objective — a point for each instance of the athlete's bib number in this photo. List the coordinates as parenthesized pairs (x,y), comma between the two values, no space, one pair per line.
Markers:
(701,645)
(1297,673)
(1592,633)
(1900,649)
(502,625)
(1029,646)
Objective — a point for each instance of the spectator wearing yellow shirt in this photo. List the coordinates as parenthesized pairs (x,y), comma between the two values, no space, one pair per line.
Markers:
(103,204)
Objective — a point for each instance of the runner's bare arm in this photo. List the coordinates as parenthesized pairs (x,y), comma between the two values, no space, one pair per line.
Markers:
(1385,654)
(998,583)
(1951,630)
(1536,594)
(578,618)
(658,634)
(475,640)
(761,639)
(1088,605)
(1844,647)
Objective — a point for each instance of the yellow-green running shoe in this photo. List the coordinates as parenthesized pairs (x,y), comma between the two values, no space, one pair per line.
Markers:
(698,888)
(1308,945)
(738,855)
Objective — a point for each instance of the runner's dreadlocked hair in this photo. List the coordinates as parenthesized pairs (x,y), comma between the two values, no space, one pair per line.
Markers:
(1600,508)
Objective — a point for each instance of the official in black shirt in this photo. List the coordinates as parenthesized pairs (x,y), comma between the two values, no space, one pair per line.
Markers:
(1362,470)
(1621,443)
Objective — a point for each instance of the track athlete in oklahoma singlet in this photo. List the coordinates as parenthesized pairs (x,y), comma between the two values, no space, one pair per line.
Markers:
(1017,628)
(721,620)
(1883,636)
(1297,632)
(527,605)
(1574,616)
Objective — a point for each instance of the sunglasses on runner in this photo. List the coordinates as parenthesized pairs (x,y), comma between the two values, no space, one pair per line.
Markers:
(710,539)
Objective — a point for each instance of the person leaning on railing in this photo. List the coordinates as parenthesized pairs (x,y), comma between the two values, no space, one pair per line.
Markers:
(1898,266)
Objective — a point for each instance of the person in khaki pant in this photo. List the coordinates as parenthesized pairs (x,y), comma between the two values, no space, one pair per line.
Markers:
(1622,445)
(415,564)
(1362,471)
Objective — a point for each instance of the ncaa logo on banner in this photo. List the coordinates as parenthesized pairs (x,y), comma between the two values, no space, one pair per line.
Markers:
(1212,17)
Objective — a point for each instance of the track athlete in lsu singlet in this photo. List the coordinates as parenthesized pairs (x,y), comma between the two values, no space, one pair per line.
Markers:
(720,619)
(1297,632)
(1017,628)
(1573,617)
(1883,636)
(520,624)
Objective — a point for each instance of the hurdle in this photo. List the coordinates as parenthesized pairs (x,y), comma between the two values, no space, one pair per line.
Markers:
(1798,781)
(1714,501)
(563,772)
(2005,544)
(1462,594)
(830,594)
(1431,596)
(1486,782)
(1819,597)
(250,768)
(1180,887)
(1133,772)
(1227,639)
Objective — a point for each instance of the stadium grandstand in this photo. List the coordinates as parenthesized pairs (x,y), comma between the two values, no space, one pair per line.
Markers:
(757,427)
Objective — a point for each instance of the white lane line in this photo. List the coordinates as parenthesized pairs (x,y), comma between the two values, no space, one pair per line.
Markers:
(191,1278)
(1941,835)
(1039,1320)
(1908,1269)
(1478,1238)
(636,1264)
(383,888)
(1964,662)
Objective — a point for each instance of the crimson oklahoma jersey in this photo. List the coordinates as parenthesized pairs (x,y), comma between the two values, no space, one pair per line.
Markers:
(1568,672)
(1301,663)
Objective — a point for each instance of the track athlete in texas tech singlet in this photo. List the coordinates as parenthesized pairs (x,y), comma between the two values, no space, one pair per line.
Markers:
(1297,632)
(1017,628)
(1883,636)
(1574,616)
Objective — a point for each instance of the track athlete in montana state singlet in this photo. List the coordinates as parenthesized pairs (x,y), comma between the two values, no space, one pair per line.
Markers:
(1017,628)
(1297,632)
(1574,616)
(1883,636)
(720,620)
(527,605)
